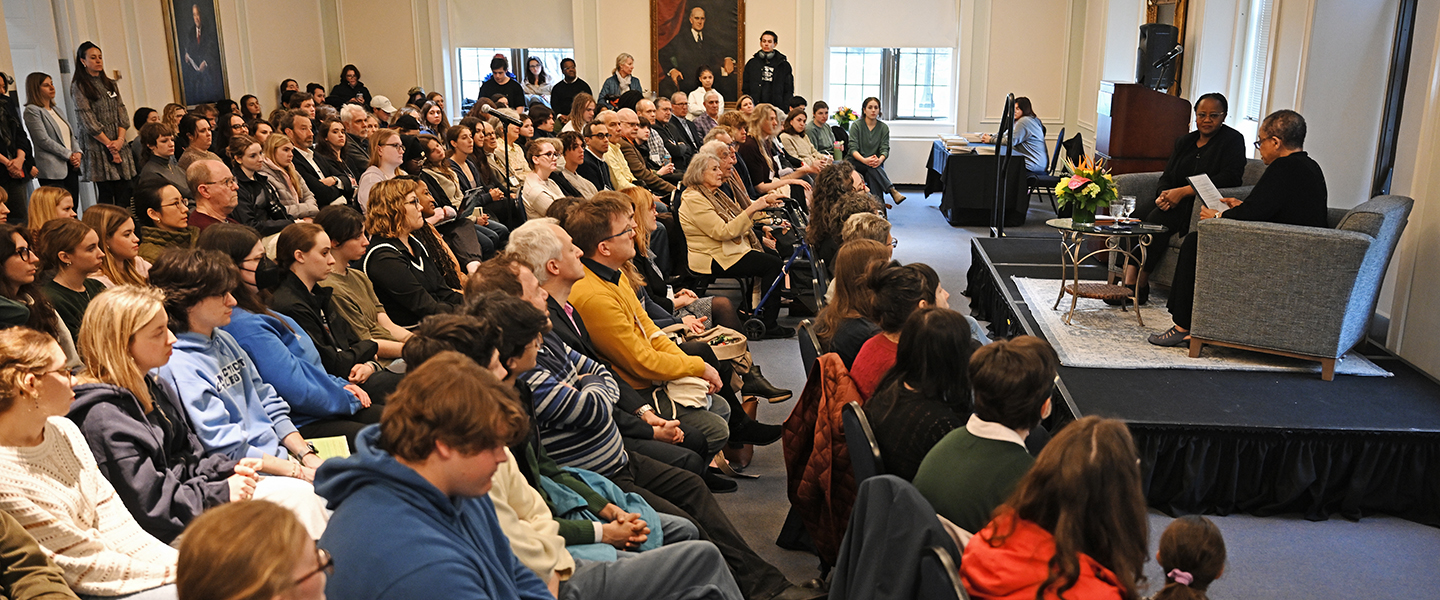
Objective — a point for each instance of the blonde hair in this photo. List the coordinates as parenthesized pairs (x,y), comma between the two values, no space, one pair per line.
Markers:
(241,551)
(23,351)
(45,206)
(620,60)
(378,138)
(109,326)
(758,117)
(272,144)
(177,110)
(640,199)
(386,209)
(106,220)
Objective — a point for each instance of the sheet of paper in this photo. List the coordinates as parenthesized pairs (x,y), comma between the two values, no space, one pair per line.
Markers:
(1205,189)
(331,447)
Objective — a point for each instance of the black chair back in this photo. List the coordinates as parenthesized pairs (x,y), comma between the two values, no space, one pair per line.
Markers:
(1055,156)
(1074,148)
(860,440)
(809,346)
(939,576)
(819,281)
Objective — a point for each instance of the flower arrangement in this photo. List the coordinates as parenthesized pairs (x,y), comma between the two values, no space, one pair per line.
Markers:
(1088,188)
(844,115)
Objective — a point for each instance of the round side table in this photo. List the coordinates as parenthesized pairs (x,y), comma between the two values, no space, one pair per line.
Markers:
(1072,242)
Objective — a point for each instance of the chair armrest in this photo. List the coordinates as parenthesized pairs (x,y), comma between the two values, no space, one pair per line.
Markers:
(1282,287)
(1143,186)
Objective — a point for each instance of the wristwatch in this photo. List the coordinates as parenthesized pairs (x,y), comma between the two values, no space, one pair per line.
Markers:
(311,450)
(644,409)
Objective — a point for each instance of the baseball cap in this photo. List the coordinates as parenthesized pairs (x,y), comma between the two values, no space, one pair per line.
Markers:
(382,103)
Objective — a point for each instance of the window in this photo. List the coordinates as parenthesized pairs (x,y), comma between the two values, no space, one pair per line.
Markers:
(911,83)
(1254,74)
(475,66)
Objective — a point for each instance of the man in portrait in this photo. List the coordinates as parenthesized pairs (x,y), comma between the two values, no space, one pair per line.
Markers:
(200,59)
(690,49)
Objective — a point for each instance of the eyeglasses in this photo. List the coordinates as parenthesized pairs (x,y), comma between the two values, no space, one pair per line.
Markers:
(170,204)
(25,253)
(396,145)
(327,564)
(1262,140)
(415,202)
(226,181)
(546,154)
(1213,115)
(626,231)
(64,372)
(596,135)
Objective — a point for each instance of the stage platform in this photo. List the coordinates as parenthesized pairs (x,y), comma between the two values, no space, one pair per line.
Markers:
(1221,442)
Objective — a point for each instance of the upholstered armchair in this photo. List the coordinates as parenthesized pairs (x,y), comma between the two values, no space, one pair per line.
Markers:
(1146,186)
(1303,292)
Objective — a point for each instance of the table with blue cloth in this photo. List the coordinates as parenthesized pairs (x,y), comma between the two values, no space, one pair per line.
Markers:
(967,185)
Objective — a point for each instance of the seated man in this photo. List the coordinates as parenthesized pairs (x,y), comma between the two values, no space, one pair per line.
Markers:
(1292,192)
(629,126)
(974,468)
(620,176)
(604,230)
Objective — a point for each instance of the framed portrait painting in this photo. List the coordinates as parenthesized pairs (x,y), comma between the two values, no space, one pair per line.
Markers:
(198,63)
(691,39)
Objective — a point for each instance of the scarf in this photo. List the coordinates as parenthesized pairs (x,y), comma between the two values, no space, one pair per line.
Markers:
(729,210)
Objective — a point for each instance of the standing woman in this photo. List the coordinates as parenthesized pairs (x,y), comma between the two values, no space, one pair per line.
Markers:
(57,147)
(620,80)
(103,123)
(71,251)
(349,90)
(122,264)
(869,147)
(387,153)
(16,155)
(55,488)
(279,166)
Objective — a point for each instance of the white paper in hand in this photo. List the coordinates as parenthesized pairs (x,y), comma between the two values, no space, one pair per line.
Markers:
(1205,189)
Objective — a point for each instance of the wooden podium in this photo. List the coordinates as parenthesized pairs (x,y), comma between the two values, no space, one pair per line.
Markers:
(1138,126)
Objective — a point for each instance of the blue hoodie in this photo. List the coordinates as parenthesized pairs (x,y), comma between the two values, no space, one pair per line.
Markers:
(287,359)
(235,413)
(396,536)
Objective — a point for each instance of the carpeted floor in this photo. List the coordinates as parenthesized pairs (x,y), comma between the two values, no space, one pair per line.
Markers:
(1269,558)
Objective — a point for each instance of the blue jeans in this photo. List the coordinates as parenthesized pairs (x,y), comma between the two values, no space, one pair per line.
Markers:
(692,570)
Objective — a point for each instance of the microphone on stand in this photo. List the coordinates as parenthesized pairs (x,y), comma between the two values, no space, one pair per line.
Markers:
(487,109)
(1172,55)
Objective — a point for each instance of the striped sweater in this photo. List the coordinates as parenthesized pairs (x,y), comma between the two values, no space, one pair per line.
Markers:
(56,491)
(574,397)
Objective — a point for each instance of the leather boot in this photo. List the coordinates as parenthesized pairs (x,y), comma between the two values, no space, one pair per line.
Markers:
(756,385)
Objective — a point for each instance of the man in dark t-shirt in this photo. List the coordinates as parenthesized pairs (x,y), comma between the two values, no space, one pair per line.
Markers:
(502,83)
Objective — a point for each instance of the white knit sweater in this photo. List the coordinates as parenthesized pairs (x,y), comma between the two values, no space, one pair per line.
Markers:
(59,496)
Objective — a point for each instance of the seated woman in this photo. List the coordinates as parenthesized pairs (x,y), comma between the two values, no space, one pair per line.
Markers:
(70,251)
(539,192)
(869,147)
(251,550)
(720,237)
(304,250)
(329,146)
(1292,192)
(321,404)
(797,143)
(55,489)
(195,137)
(354,296)
(257,202)
(818,130)
(142,438)
(122,264)
(279,166)
(1213,149)
(387,153)
(827,224)
(164,219)
(1028,139)
(47,204)
(160,165)
(505,204)
(425,161)
(844,325)
(240,416)
(898,291)
(1076,522)
(765,157)
(472,173)
(823,233)
(926,394)
(22,302)
(407,278)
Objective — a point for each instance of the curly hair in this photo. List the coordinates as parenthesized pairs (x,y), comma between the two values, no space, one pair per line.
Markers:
(831,184)
(23,351)
(385,213)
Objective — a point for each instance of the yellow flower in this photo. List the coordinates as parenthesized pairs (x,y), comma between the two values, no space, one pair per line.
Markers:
(1091,190)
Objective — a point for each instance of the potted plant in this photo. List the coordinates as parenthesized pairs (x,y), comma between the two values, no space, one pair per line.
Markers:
(1088,188)
(844,116)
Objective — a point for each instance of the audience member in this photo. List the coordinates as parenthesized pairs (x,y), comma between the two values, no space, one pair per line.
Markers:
(582,112)
(662,128)
(142,116)
(976,466)
(867,226)
(433,120)
(926,395)
(832,202)
(349,91)
(260,129)
(597,145)
(30,574)
(720,142)
(819,132)
(544,121)
(695,102)
(70,251)
(539,191)
(354,298)
(707,120)
(472,173)
(299,129)
(241,415)
(56,145)
(720,238)
(22,302)
(1192,556)
(303,104)
(250,107)
(257,202)
(251,550)
(122,264)
(1076,522)
(279,167)
(452,214)
(195,136)
(568,177)
(173,113)
(330,145)
(164,220)
(797,143)
(407,278)
(745,105)
(141,436)
(215,193)
(500,82)
(514,163)
(357,141)
(768,76)
(387,153)
(869,147)
(160,166)
(537,82)
(103,121)
(564,92)
(898,292)
(844,325)
(620,80)
(383,111)
(288,87)
(48,204)
(765,158)
(628,124)
(57,491)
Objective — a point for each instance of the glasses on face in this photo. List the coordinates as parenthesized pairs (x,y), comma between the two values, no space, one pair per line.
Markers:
(1208,116)
(1261,141)
(597,135)
(550,154)
(327,565)
(226,181)
(25,253)
(415,202)
(62,371)
(173,204)
(625,231)
(395,145)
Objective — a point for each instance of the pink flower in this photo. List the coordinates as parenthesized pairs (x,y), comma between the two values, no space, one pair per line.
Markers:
(1078,182)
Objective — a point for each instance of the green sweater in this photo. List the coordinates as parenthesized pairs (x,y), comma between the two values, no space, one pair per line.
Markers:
(71,304)
(870,142)
(966,476)
(25,572)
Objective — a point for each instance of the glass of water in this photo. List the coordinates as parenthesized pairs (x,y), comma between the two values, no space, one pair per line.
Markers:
(1125,206)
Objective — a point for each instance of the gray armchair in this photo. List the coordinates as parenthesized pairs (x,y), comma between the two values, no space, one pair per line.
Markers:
(1145,187)
(1303,292)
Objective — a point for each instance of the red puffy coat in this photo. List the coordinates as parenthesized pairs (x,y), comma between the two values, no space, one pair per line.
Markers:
(817,463)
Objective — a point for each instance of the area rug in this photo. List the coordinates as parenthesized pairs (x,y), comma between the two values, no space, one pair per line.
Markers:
(1101,336)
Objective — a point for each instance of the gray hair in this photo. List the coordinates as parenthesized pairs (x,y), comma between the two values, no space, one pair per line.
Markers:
(865,226)
(352,112)
(1287,125)
(534,244)
(694,174)
(712,93)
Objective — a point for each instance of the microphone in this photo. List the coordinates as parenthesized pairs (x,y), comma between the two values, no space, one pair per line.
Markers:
(1172,55)
(499,115)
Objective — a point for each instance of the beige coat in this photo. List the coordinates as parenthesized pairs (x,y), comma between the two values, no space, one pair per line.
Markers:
(709,236)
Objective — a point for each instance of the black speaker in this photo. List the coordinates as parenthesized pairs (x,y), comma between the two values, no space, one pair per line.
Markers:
(1156,41)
